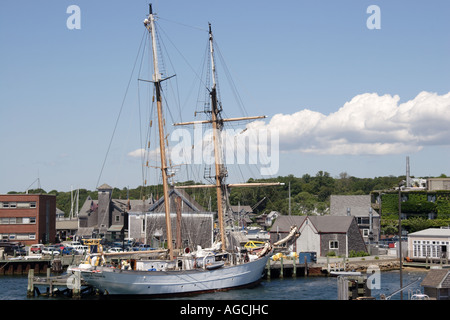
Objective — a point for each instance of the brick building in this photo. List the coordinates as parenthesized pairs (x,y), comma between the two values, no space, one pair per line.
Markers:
(28,218)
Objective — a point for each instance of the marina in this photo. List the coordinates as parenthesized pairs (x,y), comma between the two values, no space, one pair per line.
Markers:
(287,288)
(70,284)
(206,238)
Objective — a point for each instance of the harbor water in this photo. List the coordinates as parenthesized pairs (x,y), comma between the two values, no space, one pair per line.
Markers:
(300,288)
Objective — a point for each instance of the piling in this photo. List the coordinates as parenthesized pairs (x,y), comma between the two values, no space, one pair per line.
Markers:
(294,270)
(30,287)
(281,270)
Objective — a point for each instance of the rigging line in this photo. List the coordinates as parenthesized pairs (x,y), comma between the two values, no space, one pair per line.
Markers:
(230,79)
(183,24)
(184,58)
(120,111)
(140,121)
(177,91)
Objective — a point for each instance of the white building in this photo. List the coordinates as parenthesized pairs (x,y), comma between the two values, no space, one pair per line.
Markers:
(430,243)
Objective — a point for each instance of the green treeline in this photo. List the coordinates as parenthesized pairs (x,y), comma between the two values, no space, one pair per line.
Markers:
(309,194)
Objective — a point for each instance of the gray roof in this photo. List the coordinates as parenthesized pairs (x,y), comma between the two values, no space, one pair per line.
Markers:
(359,205)
(136,205)
(105,187)
(187,200)
(437,278)
(237,209)
(323,224)
(67,224)
(431,232)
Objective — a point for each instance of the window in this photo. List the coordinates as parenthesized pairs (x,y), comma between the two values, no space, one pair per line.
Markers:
(366,232)
(117,218)
(32,204)
(334,244)
(23,204)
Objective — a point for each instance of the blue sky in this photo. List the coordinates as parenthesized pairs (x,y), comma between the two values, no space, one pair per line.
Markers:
(377,95)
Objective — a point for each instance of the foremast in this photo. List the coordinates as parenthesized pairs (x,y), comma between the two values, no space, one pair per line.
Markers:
(220,169)
(150,25)
(217,125)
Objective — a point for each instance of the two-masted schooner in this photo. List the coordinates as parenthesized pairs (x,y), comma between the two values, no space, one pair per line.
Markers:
(193,272)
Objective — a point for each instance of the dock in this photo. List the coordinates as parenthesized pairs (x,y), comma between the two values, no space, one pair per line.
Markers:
(285,267)
(67,285)
(39,264)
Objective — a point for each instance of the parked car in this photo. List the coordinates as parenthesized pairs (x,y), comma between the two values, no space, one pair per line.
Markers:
(36,248)
(51,250)
(81,249)
(115,249)
(142,247)
(15,250)
(19,251)
(68,250)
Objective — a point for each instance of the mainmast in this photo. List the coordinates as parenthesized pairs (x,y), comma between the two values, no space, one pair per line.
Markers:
(150,25)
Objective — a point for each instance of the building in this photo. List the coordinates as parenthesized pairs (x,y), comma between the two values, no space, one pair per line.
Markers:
(104,218)
(321,234)
(242,214)
(436,284)
(147,222)
(28,218)
(265,220)
(432,243)
(358,206)
(438,184)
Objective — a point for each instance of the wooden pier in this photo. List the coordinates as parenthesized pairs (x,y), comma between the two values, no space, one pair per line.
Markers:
(40,265)
(69,285)
(285,267)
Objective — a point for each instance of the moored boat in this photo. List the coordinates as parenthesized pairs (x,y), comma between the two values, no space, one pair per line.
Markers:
(204,270)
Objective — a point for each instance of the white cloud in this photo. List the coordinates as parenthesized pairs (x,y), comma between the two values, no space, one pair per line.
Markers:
(136,153)
(367,124)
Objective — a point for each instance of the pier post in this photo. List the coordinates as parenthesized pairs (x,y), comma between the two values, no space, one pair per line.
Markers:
(294,270)
(306,266)
(30,287)
(268,269)
(281,270)
(76,291)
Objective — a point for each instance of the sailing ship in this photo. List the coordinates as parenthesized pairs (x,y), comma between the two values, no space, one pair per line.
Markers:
(205,270)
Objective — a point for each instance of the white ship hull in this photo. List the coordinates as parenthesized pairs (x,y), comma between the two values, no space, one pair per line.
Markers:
(131,282)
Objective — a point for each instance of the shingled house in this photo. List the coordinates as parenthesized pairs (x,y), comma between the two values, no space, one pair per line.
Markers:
(321,234)
(105,217)
(358,206)
(437,284)
(147,225)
